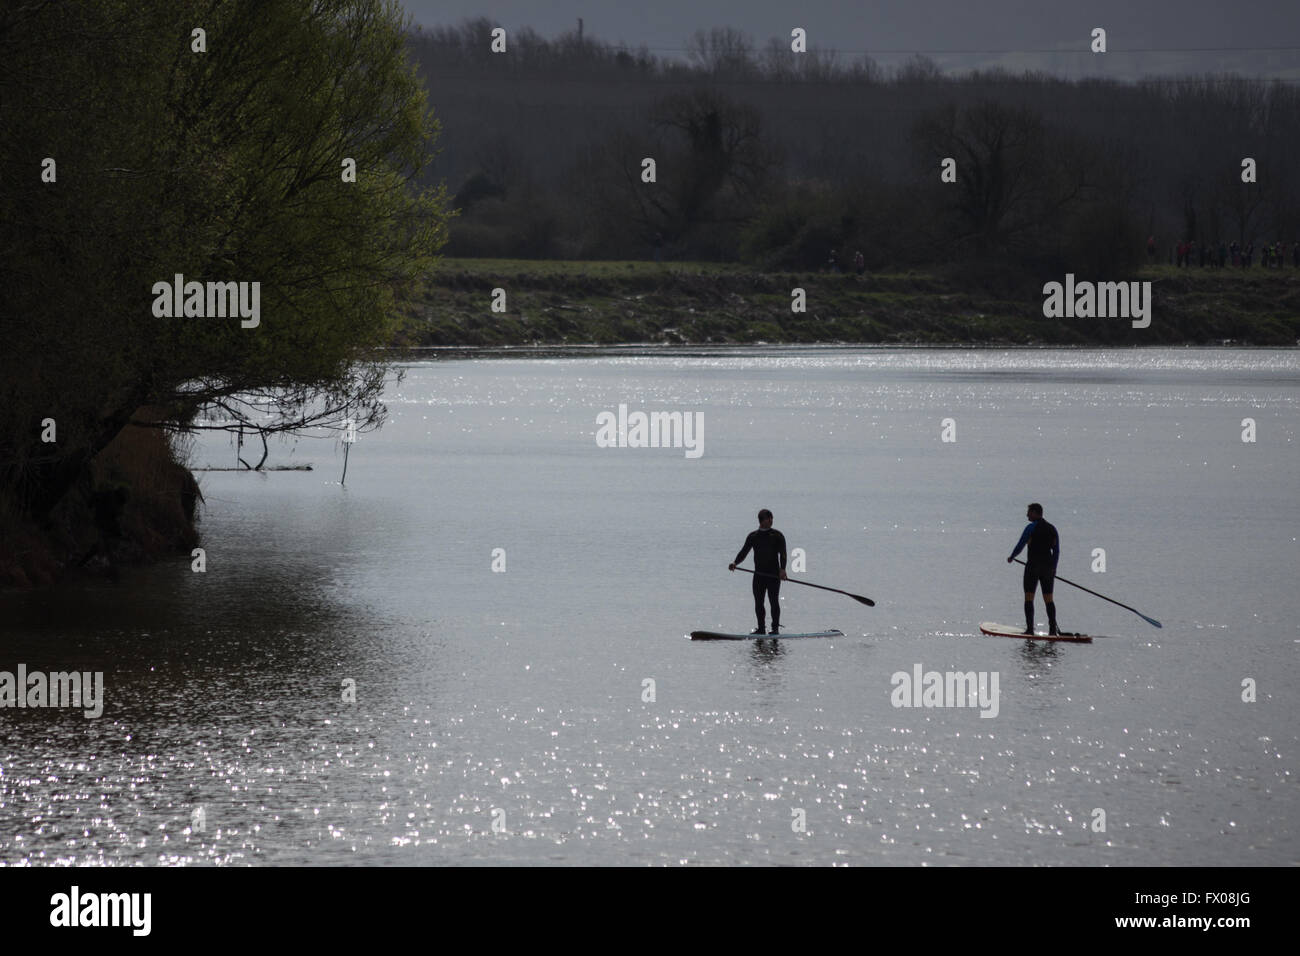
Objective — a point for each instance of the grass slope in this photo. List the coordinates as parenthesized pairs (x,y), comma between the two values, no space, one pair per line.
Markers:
(551,302)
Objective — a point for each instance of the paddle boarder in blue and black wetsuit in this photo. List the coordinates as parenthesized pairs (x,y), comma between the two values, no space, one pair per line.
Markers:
(1040,564)
(768,546)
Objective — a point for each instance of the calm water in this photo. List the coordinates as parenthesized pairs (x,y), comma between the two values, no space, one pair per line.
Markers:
(518,695)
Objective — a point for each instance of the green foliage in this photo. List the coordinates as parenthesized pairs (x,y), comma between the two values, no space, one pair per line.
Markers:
(1103,242)
(797,232)
(223,165)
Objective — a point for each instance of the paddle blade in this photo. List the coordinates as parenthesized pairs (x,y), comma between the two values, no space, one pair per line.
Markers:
(1151,620)
(870,603)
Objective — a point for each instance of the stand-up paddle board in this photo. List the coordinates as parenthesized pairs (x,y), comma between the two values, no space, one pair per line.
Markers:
(1006,630)
(784,636)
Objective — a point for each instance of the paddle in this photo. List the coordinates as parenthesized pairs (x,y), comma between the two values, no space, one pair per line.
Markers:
(857,597)
(1150,620)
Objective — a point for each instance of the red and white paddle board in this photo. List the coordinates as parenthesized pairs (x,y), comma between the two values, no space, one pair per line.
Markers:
(1005,630)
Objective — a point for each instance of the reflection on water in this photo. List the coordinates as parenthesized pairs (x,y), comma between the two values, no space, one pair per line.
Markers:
(521,694)
(766,654)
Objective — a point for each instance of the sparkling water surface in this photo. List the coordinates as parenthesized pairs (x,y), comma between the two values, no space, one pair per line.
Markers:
(520,697)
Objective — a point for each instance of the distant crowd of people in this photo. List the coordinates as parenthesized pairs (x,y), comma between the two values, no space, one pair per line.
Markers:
(1188,253)
(1219,255)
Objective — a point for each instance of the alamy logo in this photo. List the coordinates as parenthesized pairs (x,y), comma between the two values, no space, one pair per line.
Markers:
(59,689)
(1098,300)
(652,430)
(102,909)
(947,689)
(212,300)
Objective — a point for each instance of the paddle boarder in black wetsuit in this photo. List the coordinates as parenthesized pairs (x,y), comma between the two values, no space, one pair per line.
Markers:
(1040,564)
(768,545)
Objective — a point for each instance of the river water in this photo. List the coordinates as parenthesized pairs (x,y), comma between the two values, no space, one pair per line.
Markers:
(551,710)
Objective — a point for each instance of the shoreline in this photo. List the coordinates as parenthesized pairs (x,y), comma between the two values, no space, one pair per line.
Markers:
(578,349)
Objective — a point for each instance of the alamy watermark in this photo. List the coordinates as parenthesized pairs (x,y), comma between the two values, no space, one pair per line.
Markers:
(58,689)
(946,689)
(1098,300)
(178,298)
(651,430)
(74,908)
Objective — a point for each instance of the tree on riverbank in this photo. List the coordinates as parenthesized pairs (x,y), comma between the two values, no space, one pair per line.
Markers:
(151,139)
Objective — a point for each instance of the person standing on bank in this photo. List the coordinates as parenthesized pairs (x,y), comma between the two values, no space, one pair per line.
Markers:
(1040,565)
(768,546)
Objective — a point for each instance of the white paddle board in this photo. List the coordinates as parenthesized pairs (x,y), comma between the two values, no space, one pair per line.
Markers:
(785,636)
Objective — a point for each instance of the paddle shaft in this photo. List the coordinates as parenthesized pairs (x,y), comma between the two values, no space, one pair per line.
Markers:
(808,584)
(1103,597)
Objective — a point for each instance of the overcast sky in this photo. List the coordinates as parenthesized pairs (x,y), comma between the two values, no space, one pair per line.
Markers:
(1162,36)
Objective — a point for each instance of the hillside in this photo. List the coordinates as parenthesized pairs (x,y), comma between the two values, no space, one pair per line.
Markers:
(552,302)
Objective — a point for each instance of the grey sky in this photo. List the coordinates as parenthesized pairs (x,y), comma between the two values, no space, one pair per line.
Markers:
(1199,35)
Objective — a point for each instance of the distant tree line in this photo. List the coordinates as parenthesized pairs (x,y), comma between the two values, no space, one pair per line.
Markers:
(779,159)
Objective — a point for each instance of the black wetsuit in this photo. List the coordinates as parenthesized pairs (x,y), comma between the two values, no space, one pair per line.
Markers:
(1044,552)
(1040,566)
(769,559)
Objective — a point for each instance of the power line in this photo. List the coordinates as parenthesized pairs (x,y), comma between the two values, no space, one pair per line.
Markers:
(847,78)
(750,49)
(1084,50)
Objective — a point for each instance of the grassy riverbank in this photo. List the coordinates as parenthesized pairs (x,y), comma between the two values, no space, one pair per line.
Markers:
(552,302)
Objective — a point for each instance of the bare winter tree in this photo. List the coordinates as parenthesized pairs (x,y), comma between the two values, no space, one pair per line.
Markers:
(722,51)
